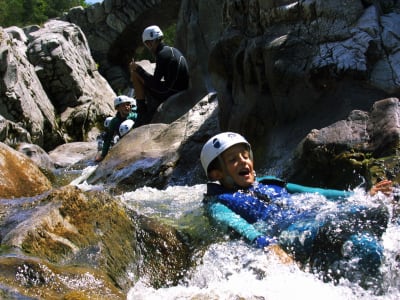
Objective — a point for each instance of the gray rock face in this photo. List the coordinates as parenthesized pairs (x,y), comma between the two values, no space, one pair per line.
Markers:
(354,146)
(61,56)
(160,154)
(51,91)
(22,97)
(280,61)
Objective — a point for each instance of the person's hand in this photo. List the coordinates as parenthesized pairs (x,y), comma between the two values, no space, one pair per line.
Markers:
(271,246)
(384,186)
(283,257)
(133,66)
(99,158)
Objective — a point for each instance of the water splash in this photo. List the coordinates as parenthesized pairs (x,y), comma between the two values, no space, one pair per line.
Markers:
(235,270)
(81,182)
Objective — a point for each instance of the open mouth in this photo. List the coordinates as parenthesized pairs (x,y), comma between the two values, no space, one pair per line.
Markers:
(244,172)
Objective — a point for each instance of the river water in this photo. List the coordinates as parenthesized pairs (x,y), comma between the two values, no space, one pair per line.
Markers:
(231,269)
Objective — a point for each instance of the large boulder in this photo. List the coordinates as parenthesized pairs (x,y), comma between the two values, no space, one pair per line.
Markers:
(70,244)
(62,59)
(363,147)
(20,176)
(74,154)
(160,154)
(23,101)
(64,228)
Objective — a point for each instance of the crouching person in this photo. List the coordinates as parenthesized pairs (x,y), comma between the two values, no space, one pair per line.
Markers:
(126,110)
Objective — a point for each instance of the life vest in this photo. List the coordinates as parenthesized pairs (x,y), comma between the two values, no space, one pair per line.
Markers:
(260,202)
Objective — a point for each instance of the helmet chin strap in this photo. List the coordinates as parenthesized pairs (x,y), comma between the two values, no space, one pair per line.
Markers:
(228,180)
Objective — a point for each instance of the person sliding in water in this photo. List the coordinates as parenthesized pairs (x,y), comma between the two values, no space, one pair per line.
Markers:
(343,243)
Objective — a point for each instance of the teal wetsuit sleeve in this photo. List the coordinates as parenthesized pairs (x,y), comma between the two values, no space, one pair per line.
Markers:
(328,193)
(107,142)
(225,216)
(132,115)
(112,128)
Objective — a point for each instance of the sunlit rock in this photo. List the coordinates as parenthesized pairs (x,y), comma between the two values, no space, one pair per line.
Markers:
(20,176)
(23,100)
(149,155)
(70,228)
(72,154)
(62,59)
(85,243)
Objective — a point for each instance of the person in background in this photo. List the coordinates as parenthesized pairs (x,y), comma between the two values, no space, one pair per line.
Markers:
(126,110)
(171,74)
(125,127)
(102,135)
(263,211)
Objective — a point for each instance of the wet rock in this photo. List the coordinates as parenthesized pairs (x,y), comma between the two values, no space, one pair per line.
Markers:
(76,154)
(167,254)
(149,155)
(37,155)
(24,277)
(342,155)
(20,176)
(84,243)
(70,228)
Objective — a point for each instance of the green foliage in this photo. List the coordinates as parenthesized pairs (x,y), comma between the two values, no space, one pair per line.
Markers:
(27,12)
(169,34)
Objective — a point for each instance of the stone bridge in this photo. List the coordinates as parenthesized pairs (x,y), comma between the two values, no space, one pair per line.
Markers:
(114,28)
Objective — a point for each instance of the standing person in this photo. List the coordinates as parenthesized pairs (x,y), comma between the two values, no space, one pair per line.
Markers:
(263,211)
(171,74)
(126,110)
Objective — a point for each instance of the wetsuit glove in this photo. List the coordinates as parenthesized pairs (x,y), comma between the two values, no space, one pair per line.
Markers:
(263,241)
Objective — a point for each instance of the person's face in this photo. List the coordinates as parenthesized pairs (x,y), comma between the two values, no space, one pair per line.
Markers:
(151,45)
(124,109)
(239,165)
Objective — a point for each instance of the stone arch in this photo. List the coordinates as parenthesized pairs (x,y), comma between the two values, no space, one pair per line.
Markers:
(114,29)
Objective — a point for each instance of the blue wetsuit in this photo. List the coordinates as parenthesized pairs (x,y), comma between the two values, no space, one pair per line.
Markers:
(264,213)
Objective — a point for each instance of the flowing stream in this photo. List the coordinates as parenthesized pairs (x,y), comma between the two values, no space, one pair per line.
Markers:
(231,269)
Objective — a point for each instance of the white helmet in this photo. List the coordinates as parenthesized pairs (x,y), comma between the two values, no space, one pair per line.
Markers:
(107,121)
(122,99)
(152,33)
(218,144)
(125,127)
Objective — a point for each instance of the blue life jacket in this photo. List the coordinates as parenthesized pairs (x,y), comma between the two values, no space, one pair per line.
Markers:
(269,201)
